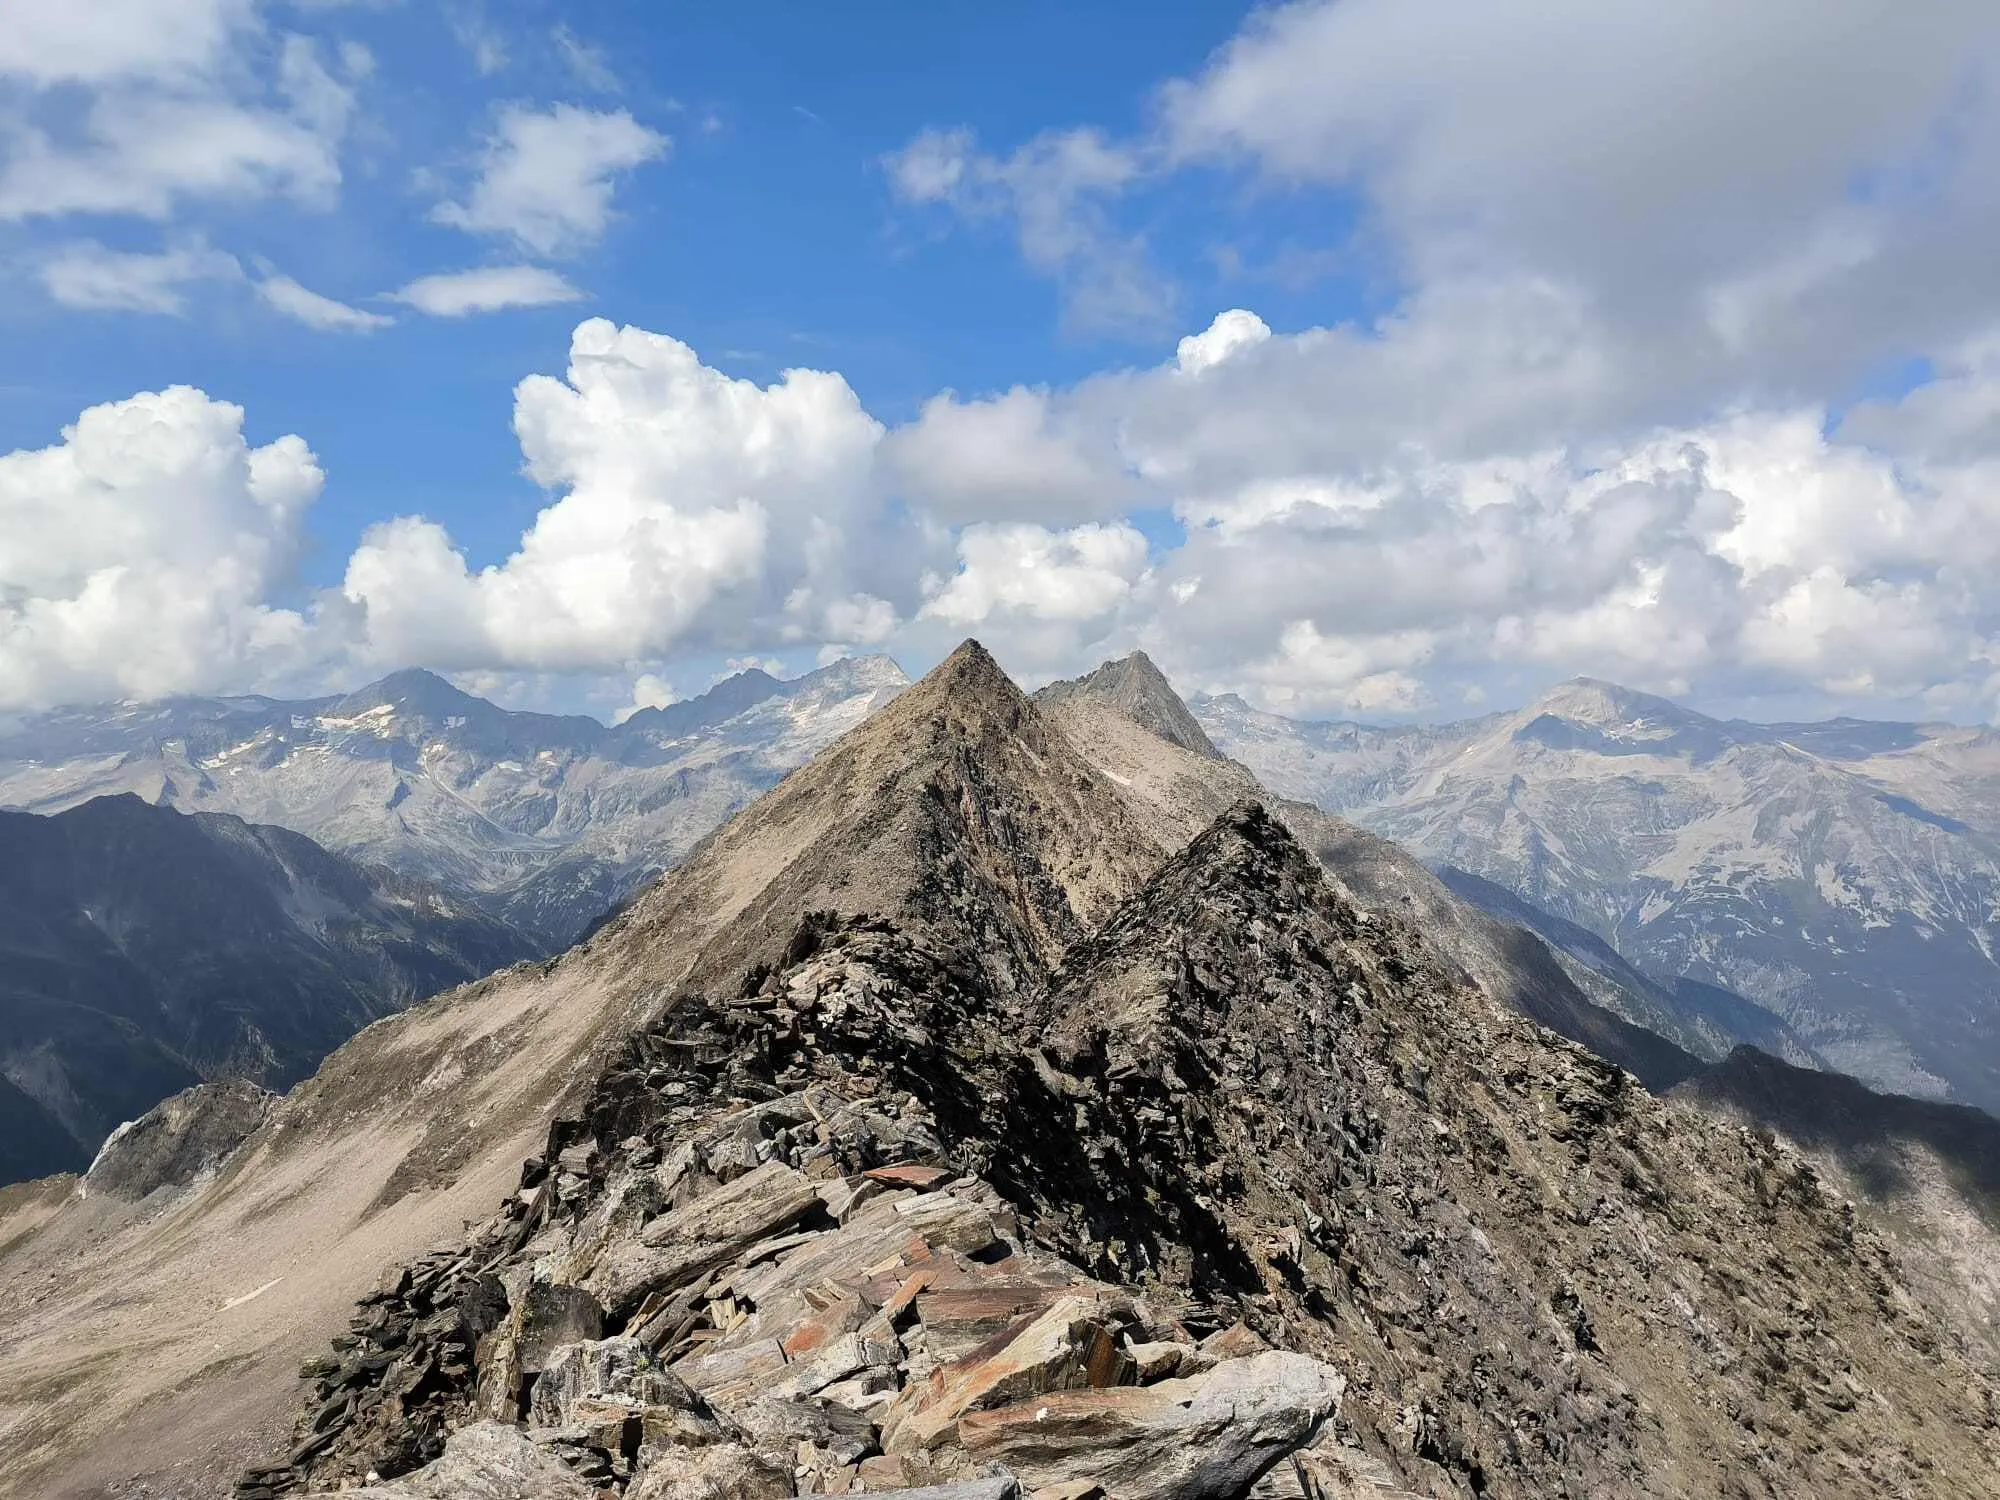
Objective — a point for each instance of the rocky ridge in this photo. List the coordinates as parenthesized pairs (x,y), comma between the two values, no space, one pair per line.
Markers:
(1178,792)
(1249,1198)
(946,1002)
(1844,876)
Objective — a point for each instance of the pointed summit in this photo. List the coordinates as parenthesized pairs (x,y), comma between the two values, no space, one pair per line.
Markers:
(957,809)
(968,671)
(1140,691)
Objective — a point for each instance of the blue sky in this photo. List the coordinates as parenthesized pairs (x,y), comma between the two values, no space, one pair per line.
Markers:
(766,236)
(1553,338)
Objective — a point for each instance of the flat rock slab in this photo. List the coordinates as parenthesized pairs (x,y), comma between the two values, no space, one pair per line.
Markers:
(1209,1436)
(486,1461)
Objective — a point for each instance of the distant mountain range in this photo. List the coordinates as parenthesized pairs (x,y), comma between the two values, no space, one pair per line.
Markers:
(544,821)
(983,1108)
(1844,876)
(143,950)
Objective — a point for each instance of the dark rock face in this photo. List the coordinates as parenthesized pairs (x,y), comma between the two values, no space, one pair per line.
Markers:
(174,1142)
(1248,1195)
(142,950)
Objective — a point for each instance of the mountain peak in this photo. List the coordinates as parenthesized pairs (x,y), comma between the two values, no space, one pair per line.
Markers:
(1137,688)
(957,806)
(1602,704)
(416,689)
(969,681)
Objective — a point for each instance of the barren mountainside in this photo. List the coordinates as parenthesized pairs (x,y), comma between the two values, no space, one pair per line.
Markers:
(975,1111)
(1845,876)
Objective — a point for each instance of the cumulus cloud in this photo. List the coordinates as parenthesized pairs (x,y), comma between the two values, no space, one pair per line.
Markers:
(1767,551)
(89,276)
(1238,328)
(693,509)
(139,553)
(455,294)
(284,295)
(546,177)
(1082,573)
(1015,455)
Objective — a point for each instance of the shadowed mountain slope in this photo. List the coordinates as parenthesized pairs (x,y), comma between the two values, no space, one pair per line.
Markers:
(142,949)
(932,1118)
(1179,793)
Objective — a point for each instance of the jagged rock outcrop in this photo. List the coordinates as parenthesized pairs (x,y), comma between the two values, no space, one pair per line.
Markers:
(935,1126)
(1176,793)
(178,1140)
(1252,1189)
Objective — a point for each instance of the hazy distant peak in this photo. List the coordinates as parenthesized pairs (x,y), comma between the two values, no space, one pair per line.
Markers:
(413,689)
(1140,690)
(872,671)
(1607,705)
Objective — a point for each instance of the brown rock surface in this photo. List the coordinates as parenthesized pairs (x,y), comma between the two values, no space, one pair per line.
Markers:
(1399,1236)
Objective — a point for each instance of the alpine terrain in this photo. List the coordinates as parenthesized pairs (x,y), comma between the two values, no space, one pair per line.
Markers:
(984,1113)
(1843,876)
(544,821)
(143,950)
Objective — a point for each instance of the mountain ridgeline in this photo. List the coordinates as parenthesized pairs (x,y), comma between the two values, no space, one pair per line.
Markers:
(1844,877)
(544,821)
(1015,1101)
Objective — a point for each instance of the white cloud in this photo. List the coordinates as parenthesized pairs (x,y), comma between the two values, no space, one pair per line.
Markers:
(138,554)
(1333,563)
(143,155)
(87,275)
(546,176)
(285,295)
(1012,456)
(454,294)
(1052,191)
(118,39)
(1841,165)
(649,690)
(143,144)
(1231,331)
(1082,573)
(694,508)
(587,64)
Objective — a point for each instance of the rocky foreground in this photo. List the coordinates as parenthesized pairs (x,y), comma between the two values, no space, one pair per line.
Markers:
(950,1120)
(1248,1201)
